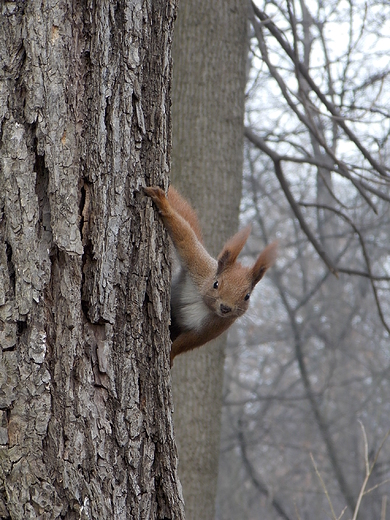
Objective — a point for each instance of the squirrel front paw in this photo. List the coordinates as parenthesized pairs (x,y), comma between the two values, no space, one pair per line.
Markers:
(158,197)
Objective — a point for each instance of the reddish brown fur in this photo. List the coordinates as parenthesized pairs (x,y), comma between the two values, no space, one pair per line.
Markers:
(210,294)
(185,210)
(187,244)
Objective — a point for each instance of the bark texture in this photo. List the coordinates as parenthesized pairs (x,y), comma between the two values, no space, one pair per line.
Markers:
(209,55)
(86,427)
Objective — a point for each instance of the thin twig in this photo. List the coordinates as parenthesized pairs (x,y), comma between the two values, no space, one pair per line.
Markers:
(369,469)
(384,507)
(323,487)
(377,486)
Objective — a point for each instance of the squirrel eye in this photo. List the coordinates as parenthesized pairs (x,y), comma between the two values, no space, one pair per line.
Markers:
(247,296)
(215,284)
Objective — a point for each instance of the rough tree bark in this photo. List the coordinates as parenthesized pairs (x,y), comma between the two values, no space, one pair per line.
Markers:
(85,402)
(209,55)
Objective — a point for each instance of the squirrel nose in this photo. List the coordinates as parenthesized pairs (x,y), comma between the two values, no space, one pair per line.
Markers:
(225,309)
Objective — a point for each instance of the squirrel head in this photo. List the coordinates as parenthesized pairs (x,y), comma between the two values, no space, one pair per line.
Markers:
(228,293)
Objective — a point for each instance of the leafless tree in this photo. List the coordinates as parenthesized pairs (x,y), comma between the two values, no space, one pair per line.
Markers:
(316,358)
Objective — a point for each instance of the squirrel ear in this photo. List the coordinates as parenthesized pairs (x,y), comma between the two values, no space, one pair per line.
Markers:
(265,260)
(232,249)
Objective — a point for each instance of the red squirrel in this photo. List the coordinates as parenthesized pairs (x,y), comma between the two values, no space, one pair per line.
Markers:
(207,294)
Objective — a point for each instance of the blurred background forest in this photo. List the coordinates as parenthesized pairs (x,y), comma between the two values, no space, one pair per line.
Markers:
(308,368)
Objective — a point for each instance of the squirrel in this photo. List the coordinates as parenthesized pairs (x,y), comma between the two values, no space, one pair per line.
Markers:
(207,294)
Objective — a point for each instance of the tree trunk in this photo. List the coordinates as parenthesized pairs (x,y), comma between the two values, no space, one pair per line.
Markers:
(209,52)
(85,402)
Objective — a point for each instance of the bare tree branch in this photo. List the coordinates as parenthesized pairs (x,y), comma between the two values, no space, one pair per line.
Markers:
(258,484)
(293,204)
(306,119)
(320,420)
(278,35)
(346,270)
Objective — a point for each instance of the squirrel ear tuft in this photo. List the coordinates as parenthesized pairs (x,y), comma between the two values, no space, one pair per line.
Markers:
(232,249)
(265,261)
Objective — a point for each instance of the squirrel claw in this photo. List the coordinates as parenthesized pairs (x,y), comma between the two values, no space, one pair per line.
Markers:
(157,195)
(154,192)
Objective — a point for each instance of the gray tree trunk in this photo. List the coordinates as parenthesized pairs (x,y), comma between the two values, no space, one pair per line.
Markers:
(85,403)
(209,54)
